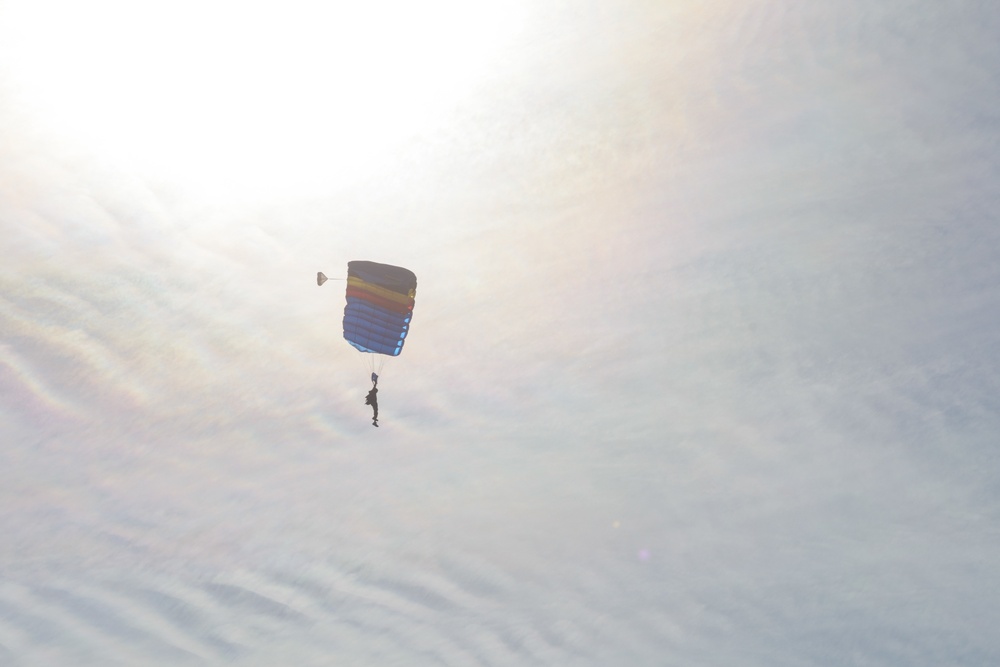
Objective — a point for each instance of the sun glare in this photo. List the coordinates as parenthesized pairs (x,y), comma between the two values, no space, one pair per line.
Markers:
(262,97)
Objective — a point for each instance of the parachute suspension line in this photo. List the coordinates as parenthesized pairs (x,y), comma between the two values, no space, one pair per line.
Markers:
(364,359)
(371,363)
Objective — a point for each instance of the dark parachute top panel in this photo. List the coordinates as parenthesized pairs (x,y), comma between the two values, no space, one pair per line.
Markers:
(395,278)
(380,300)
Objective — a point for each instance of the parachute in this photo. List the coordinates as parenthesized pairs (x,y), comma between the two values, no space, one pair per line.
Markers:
(379,309)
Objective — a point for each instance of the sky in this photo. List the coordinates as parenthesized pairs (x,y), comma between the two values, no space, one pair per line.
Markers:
(703,362)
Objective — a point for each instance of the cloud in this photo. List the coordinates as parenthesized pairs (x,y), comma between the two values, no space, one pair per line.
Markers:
(701,369)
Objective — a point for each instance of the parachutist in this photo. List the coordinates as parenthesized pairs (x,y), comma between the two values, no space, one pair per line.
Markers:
(372,400)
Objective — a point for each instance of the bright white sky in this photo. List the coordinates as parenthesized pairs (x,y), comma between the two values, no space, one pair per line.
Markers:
(273,98)
(702,368)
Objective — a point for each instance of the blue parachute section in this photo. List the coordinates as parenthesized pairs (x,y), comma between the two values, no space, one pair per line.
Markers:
(372,329)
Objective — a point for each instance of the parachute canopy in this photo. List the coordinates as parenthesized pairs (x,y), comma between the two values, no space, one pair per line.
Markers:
(379,308)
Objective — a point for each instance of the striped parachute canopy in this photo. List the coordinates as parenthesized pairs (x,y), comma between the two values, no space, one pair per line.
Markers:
(379,306)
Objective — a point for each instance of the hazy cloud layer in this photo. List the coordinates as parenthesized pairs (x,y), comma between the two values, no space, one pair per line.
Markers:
(702,368)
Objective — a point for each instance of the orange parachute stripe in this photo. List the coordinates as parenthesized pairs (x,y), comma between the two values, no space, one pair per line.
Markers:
(380,291)
(392,306)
